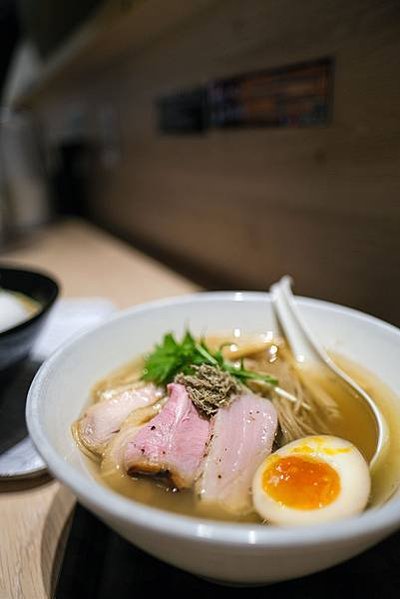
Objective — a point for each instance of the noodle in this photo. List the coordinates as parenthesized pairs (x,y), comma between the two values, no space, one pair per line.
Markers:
(314,409)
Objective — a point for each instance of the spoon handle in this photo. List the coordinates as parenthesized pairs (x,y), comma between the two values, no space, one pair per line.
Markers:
(308,352)
(304,348)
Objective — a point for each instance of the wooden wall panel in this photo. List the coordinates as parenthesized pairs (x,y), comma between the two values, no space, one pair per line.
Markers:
(247,206)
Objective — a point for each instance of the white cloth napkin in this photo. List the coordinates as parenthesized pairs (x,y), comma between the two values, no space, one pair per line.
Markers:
(69,317)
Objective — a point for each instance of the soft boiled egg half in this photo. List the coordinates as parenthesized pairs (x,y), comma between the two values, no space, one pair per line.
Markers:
(312,480)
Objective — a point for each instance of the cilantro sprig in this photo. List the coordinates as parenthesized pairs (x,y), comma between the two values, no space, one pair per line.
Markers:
(172,357)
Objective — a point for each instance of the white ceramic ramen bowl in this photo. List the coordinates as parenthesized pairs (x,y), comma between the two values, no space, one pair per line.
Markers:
(235,553)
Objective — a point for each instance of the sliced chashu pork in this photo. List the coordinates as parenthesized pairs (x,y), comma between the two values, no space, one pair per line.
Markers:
(242,435)
(172,444)
(103,419)
(112,463)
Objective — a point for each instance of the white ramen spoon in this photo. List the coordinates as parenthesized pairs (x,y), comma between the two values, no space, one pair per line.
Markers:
(308,352)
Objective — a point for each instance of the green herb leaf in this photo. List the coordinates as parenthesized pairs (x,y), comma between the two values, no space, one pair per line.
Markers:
(170,358)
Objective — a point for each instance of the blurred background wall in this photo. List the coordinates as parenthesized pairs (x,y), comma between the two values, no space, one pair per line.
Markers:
(237,207)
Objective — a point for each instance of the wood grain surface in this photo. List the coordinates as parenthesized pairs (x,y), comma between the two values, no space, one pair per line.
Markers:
(34,515)
(246,206)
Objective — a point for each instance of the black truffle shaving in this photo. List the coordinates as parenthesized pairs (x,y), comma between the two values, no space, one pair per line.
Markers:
(209,388)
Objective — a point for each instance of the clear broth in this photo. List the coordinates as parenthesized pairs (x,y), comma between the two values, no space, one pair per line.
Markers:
(355,424)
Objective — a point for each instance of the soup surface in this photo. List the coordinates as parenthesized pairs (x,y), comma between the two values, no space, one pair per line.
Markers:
(15,308)
(352,421)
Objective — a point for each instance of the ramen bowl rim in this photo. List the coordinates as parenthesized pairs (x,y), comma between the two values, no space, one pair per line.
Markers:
(375,522)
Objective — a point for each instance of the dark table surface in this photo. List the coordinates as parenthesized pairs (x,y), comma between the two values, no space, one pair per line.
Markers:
(99,564)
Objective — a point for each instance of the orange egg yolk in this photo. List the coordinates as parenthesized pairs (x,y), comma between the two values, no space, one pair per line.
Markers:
(301,482)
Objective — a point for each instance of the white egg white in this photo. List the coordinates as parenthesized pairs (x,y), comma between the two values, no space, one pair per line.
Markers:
(343,457)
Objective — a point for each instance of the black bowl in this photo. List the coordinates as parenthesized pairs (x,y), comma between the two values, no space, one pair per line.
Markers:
(16,343)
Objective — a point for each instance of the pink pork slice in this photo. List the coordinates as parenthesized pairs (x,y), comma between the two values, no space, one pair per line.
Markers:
(104,419)
(171,444)
(241,437)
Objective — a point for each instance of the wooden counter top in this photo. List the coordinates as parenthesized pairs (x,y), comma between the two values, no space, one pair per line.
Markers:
(33,514)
